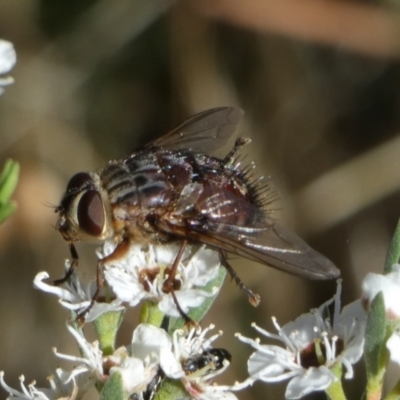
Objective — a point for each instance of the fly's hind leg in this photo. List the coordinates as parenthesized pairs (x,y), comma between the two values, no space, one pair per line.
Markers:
(232,155)
(254,298)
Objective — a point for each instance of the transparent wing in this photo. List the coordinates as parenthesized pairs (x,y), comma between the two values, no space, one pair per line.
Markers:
(272,245)
(204,132)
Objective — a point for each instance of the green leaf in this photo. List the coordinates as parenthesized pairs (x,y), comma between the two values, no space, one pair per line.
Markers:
(393,255)
(171,390)
(8,180)
(113,388)
(375,333)
(376,354)
(107,326)
(197,314)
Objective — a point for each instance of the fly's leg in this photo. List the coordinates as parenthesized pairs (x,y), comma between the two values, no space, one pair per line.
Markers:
(119,252)
(254,298)
(187,319)
(232,155)
(74,264)
(169,286)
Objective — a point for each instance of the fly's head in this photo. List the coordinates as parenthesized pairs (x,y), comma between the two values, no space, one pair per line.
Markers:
(83,211)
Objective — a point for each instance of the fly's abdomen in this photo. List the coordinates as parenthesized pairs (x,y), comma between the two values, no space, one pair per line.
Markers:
(227,206)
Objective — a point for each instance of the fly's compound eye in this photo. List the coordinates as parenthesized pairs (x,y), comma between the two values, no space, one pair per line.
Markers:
(91,213)
(78,181)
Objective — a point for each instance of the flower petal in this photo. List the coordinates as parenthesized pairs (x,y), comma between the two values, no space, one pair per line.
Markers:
(393,345)
(312,380)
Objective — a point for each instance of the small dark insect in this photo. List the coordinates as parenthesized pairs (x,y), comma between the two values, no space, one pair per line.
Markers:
(151,389)
(206,362)
(172,190)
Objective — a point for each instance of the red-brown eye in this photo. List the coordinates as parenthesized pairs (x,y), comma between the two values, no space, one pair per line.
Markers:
(91,213)
(78,181)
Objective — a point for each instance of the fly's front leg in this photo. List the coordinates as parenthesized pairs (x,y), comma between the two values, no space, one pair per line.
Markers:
(74,264)
(119,252)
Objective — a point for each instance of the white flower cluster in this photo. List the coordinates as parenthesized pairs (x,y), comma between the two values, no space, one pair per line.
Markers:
(63,386)
(313,344)
(152,356)
(140,276)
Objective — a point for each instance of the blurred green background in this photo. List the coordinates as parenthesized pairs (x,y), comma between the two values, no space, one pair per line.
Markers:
(97,78)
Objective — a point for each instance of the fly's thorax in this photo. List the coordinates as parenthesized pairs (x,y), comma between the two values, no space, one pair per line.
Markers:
(136,185)
(84,211)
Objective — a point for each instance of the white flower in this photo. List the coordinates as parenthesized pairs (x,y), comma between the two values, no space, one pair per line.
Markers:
(58,388)
(137,364)
(149,340)
(64,382)
(8,58)
(212,392)
(313,345)
(389,285)
(141,273)
(74,296)
(196,363)
(91,361)
(393,345)
(148,345)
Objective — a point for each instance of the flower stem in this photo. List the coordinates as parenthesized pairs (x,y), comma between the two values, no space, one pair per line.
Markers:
(335,390)
(375,382)
(151,314)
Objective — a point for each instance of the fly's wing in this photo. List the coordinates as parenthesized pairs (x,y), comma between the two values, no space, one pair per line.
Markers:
(272,245)
(204,132)
(225,221)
